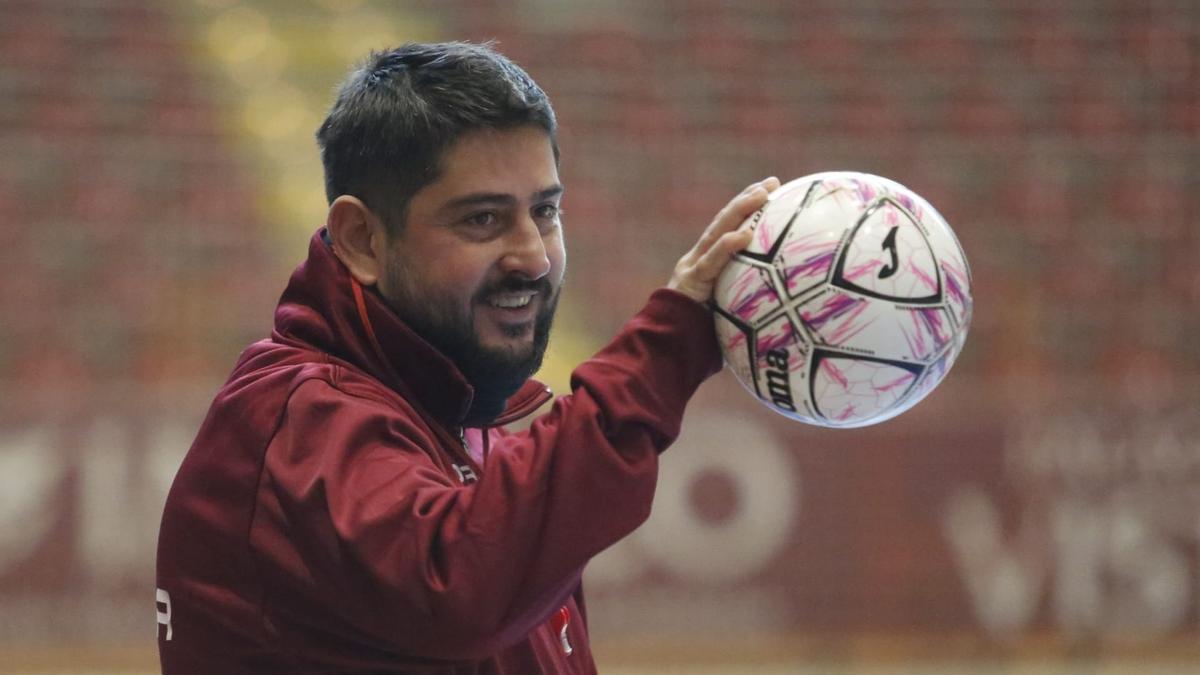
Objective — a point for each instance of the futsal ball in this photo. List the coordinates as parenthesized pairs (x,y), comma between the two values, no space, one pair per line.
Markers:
(849,305)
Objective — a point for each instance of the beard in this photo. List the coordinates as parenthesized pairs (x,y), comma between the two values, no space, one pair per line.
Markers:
(495,373)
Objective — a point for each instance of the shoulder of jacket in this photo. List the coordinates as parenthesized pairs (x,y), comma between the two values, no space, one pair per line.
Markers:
(350,382)
(308,371)
(355,399)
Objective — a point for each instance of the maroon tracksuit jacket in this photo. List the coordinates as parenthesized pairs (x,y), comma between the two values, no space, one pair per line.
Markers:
(329,519)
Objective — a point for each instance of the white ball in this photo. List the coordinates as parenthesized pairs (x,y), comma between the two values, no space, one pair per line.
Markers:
(850,304)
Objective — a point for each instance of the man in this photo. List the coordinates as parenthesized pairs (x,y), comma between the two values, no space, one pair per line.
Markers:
(350,504)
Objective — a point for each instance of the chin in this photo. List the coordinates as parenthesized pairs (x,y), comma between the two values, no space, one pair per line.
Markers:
(503,336)
(513,348)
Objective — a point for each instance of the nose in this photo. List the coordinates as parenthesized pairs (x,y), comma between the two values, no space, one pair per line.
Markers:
(525,252)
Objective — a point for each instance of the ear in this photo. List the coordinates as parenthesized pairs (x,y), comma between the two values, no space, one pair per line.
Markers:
(359,238)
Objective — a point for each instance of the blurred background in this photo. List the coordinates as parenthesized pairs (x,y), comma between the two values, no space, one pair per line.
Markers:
(1039,513)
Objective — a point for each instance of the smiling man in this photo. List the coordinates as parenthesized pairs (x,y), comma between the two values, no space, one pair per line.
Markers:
(352,503)
(478,263)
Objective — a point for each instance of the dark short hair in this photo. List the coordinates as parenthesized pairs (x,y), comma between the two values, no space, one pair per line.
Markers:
(398,113)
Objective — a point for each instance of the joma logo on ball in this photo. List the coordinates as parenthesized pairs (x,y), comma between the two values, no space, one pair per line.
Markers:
(779,386)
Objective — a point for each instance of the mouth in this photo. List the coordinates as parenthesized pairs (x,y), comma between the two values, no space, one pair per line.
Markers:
(511,307)
(512,300)
(513,311)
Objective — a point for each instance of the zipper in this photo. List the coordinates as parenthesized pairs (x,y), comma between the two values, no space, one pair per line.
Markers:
(514,412)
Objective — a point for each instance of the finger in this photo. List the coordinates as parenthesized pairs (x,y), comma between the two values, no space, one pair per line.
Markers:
(709,265)
(761,183)
(734,214)
(736,207)
(770,183)
(736,211)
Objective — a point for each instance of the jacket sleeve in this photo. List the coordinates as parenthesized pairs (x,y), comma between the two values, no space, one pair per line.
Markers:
(398,555)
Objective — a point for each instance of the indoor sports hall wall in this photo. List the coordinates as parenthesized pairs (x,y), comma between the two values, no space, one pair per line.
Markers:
(158,181)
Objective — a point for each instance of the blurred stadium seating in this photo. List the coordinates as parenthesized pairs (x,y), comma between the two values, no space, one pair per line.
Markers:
(158,180)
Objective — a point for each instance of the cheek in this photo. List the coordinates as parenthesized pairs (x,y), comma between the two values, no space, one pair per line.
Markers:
(463,277)
(435,280)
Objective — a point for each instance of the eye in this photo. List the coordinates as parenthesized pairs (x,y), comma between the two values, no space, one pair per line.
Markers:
(547,211)
(482,219)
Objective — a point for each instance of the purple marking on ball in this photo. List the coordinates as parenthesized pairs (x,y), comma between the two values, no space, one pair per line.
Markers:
(916,341)
(850,327)
(954,286)
(775,340)
(835,373)
(745,306)
(816,266)
(903,380)
(863,269)
(908,203)
(929,281)
(866,192)
(848,412)
(831,309)
(932,319)
(765,235)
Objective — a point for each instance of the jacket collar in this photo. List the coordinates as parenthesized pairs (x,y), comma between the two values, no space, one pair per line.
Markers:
(323,307)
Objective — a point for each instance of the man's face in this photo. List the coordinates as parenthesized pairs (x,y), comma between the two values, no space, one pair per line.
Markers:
(478,263)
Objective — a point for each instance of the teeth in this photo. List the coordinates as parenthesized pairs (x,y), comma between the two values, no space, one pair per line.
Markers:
(512,301)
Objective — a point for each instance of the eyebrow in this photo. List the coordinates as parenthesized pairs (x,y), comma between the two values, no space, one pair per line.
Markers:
(477,198)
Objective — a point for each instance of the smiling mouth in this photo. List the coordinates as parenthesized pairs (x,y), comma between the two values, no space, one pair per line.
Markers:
(512,300)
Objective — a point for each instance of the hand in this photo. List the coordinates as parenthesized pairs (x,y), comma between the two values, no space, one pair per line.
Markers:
(697,271)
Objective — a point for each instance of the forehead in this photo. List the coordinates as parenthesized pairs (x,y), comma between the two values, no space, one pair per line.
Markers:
(514,161)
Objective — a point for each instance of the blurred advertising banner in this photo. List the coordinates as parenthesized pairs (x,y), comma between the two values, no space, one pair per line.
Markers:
(947,520)
(81,495)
